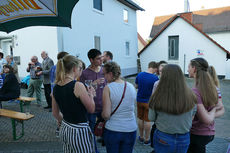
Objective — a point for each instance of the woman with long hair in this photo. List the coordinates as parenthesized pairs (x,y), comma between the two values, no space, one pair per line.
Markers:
(220,107)
(172,107)
(120,128)
(203,126)
(70,104)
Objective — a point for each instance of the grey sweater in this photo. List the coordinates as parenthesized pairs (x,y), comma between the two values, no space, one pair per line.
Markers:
(172,124)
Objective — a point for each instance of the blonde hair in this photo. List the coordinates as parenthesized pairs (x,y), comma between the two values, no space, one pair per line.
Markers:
(114,68)
(172,94)
(204,82)
(64,66)
(212,72)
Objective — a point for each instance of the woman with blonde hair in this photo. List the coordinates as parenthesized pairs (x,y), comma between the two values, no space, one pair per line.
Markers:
(118,109)
(70,104)
(172,107)
(203,126)
(220,111)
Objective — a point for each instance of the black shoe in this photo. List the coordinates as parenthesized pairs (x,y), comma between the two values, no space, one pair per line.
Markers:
(47,107)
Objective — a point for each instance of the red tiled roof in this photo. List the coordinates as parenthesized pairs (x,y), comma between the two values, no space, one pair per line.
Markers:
(211,20)
(141,39)
(171,21)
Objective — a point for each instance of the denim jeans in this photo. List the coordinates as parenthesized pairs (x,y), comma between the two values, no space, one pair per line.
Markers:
(92,119)
(119,142)
(170,143)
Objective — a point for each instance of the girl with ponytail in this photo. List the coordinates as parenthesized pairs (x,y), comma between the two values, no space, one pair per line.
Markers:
(70,104)
(203,126)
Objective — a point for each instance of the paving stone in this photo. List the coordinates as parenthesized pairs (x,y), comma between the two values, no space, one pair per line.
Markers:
(40,131)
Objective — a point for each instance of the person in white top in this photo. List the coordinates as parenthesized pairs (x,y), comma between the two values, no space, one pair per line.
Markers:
(120,128)
(2,62)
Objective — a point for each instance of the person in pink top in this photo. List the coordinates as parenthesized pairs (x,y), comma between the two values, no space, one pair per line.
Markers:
(203,125)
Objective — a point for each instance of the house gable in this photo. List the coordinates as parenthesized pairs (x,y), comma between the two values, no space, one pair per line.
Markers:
(191,44)
(170,22)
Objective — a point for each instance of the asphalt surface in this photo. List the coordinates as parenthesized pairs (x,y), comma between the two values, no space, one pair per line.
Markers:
(40,131)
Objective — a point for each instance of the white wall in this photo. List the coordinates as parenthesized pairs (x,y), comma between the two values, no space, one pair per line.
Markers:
(222,38)
(32,41)
(190,40)
(108,24)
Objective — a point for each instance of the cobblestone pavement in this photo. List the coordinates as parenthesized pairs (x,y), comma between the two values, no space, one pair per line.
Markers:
(40,131)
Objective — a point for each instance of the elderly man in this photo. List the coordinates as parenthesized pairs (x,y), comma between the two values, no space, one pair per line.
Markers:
(35,81)
(47,63)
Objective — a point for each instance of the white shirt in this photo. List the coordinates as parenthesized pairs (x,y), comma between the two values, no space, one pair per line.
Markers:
(123,120)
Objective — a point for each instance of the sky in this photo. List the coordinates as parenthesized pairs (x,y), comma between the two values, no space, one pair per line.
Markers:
(165,7)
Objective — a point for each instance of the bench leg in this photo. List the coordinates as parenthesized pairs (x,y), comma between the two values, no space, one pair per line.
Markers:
(22,103)
(21,106)
(15,137)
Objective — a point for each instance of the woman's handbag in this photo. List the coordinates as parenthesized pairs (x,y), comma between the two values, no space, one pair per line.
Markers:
(100,126)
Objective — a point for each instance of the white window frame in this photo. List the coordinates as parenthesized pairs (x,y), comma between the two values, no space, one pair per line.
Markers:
(96,9)
(127,42)
(125,16)
(97,46)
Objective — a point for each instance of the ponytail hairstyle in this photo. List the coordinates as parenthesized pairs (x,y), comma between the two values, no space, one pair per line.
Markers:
(212,73)
(64,66)
(204,82)
(172,94)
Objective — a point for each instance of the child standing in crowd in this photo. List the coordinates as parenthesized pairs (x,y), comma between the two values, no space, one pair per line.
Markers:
(144,84)
(172,107)
(203,126)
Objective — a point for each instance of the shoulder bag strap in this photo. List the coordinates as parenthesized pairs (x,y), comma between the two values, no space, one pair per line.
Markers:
(123,95)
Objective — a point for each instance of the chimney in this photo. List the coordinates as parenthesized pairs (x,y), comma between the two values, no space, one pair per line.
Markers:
(186,6)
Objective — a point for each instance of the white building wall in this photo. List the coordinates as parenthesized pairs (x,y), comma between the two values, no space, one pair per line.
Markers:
(109,25)
(190,40)
(222,38)
(32,41)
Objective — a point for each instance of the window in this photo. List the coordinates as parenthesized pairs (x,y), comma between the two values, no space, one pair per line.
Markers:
(125,16)
(97,4)
(97,42)
(173,43)
(127,49)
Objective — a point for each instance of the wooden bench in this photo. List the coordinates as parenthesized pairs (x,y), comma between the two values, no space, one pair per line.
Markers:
(25,101)
(16,117)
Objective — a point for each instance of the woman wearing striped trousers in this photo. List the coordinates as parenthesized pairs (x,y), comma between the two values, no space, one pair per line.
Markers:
(70,104)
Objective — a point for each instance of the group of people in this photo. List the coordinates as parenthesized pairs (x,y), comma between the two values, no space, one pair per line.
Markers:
(77,105)
(183,117)
(9,88)
(40,74)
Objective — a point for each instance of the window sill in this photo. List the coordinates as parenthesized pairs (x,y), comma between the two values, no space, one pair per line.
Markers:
(126,23)
(173,61)
(98,11)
